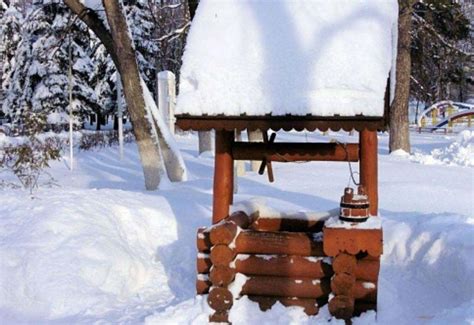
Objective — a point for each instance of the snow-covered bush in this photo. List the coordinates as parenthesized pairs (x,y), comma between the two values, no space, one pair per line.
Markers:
(103,139)
(28,160)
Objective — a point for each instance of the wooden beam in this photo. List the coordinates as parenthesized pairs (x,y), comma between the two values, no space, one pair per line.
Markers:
(285,287)
(288,152)
(223,175)
(369,167)
(280,243)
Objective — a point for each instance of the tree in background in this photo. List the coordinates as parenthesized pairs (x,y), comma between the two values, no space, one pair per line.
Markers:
(399,136)
(142,26)
(441,51)
(104,78)
(39,82)
(434,49)
(11,21)
(154,141)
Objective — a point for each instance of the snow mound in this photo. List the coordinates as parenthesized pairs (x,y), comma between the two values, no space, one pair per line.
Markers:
(62,258)
(430,255)
(314,57)
(460,152)
(399,153)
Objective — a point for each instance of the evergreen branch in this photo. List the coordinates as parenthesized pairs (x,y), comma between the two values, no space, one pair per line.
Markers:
(427,26)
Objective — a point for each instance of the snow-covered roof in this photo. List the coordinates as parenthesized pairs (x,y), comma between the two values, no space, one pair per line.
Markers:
(302,57)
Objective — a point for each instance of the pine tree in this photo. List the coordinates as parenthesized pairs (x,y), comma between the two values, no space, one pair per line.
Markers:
(10,27)
(39,82)
(9,38)
(142,26)
(104,82)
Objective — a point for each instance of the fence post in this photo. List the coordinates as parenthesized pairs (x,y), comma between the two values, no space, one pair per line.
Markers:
(167,97)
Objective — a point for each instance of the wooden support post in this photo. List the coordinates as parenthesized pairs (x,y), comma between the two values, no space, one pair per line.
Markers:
(368,167)
(223,175)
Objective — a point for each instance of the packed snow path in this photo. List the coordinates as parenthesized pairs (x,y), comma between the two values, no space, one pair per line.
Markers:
(100,248)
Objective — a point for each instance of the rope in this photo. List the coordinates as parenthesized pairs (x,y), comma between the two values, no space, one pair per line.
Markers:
(352,172)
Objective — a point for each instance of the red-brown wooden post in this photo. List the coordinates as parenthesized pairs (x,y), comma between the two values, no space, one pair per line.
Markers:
(368,167)
(223,175)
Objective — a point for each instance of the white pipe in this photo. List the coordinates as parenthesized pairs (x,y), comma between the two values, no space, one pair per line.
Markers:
(119,115)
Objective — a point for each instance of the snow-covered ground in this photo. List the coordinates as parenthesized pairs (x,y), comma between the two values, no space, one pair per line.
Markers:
(98,248)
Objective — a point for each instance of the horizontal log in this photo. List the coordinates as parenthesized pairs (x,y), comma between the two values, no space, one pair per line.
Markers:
(285,287)
(364,269)
(287,224)
(202,285)
(225,231)
(344,263)
(365,291)
(343,284)
(219,317)
(286,265)
(203,264)
(310,306)
(281,243)
(222,255)
(222,275)
(220,299)
(368,270)
(241,219)
(287,151)
(341,307)
(203,242)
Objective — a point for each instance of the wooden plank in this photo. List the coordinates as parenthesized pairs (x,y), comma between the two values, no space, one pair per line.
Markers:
(287,123)
(286,287)
(287,265)
(281,243)
(288,151)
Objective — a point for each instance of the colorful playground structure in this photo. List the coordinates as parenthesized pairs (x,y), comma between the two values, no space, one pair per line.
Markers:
(446,115)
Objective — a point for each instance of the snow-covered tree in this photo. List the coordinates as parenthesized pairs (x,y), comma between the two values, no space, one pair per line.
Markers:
(142,26)
(155,143)
(104,82)
(10,29)
(39,83)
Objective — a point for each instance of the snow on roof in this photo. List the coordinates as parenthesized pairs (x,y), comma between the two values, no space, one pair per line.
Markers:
(302,57)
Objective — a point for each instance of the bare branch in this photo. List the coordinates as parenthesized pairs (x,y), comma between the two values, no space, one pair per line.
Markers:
(175,32)
(93,21)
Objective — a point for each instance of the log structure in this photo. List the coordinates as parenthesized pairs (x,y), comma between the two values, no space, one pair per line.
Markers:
(235,258)
(260,258)
(356,254)
(288,259)
(296,268)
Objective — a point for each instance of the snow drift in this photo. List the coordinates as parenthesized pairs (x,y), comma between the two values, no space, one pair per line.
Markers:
(460,152)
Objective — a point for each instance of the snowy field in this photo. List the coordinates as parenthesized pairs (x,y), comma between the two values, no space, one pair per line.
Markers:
(99,249)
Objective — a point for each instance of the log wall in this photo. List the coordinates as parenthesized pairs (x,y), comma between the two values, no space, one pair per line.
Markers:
(240,256)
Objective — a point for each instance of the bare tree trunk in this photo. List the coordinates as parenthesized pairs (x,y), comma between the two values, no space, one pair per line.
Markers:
(399,132)
(133,92)
(147,131)
(205,141)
